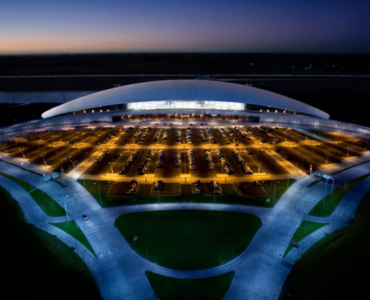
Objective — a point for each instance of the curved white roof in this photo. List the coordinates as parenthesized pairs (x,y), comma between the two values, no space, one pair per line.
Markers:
(184,90)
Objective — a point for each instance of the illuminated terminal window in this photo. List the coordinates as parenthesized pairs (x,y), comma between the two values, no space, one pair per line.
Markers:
(186,104)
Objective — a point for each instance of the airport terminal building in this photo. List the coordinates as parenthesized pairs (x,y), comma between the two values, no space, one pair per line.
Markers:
(187,98)
(183,103)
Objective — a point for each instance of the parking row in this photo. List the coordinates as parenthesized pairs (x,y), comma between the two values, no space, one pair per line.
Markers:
(225,164)
(242,131)
(177,159)
(231,135)
(201,136)
(208,159)
(165,134)
(189,136)
(192,161)
(102,156)
(160,160)
(145,165)
(213,187)
(158,135)
(247,169)
(178,136)
(129,162)
(221,132)
(210,136)
(132,189)
(115,158)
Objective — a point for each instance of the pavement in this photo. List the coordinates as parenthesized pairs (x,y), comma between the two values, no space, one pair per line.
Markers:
(260,271)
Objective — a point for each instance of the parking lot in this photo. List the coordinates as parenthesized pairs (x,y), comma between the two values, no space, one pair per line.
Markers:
(124,153)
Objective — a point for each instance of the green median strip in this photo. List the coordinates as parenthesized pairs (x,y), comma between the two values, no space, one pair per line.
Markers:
(327,205)
(210,288)
(46,203)
(73,230)
(305,229)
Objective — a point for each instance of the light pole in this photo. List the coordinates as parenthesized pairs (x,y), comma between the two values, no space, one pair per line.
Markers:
(22,152)
(65,206)
(297,166)
(43,157)
(73,205)
(99,193)
(332,186)
(302,203)
(74,167)
(214,193)
(302,161)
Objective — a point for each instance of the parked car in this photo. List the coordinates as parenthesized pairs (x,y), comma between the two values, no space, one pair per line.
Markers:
(243,189)
(196,192)
(158,185)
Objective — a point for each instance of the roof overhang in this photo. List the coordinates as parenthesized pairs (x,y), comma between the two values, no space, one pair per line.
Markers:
(184,90)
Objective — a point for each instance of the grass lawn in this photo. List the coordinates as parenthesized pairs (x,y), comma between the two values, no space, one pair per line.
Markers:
(327,205)
(211,288)
(72,229)
(228,196)
(188,240)
(305,229)
(38,265)
(334,267)
(46,203)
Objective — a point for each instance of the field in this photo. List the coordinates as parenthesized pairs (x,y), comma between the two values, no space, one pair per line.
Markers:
(188,240)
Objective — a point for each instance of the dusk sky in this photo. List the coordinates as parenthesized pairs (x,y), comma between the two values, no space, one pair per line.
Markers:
(71,26)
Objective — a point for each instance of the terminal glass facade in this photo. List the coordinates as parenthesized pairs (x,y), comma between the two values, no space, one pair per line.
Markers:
(186,105)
